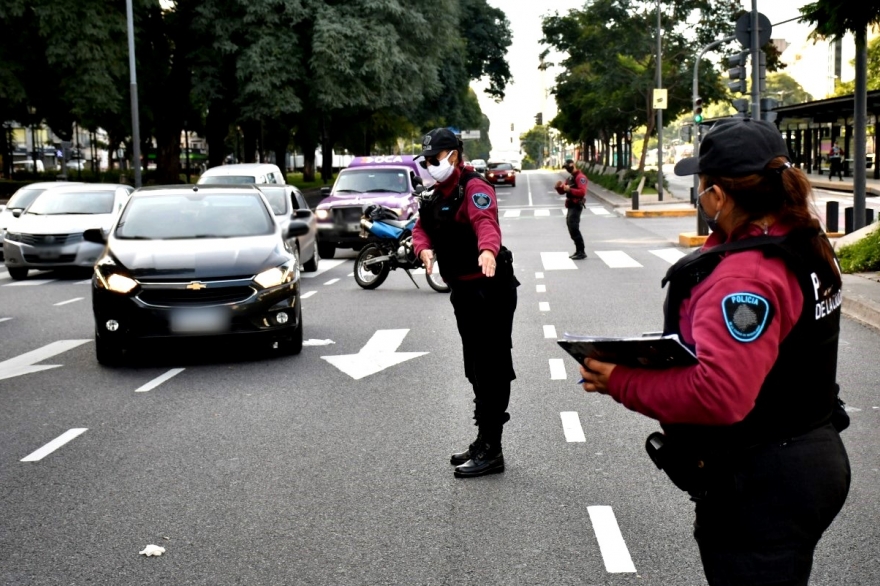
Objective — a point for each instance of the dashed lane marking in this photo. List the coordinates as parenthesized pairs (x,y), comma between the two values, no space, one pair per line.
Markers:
(670,255)
(30,283)
(544,306)
(557,261)
(540,288)
(324,265)
(557,369)
(331,281)
(159,380)
(571,427)
(614,551)
(2,319)
(539,275)
(56,443)
(617,259)
(74,300)
(550,332)
(307,295)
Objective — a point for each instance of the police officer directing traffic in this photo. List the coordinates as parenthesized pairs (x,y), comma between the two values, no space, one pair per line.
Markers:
(575,190)
(751,430)
(458,228)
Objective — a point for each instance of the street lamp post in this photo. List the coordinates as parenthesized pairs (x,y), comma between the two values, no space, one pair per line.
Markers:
(659,112)
(33,113)
(135,124)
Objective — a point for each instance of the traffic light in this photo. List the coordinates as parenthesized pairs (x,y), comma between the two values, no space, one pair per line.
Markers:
(685,133)
(762,72)
(738,73)
(767,107)
(698,110)
(742,107)
(539,118)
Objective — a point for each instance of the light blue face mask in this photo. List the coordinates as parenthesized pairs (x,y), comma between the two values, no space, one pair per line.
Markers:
(712,223)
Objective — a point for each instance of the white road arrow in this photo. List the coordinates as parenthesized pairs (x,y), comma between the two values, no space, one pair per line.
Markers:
(25,363)
(377,355)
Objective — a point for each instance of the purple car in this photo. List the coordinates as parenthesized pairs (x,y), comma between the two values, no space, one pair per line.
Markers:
(383,180)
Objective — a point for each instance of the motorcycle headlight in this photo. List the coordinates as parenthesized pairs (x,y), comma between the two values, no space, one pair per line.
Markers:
(13,236)
(322,214)
(275,276)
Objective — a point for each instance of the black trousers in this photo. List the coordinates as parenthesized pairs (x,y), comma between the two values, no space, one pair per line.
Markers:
(484,311)
(573,221)
(762,517)
(836,168)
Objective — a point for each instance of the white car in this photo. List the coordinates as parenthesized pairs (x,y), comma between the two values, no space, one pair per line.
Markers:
(242,173)
(48,234)
(20,200)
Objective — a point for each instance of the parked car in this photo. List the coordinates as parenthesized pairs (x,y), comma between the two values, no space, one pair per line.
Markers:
(382,180)
(48,234)
(242,173)
(19,201)
(287,203)
(501,174)
(196,262)
(479,165)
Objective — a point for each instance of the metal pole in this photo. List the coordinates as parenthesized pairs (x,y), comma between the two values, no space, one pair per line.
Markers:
(860,122)
(756,65)
(659,113)
(135,124)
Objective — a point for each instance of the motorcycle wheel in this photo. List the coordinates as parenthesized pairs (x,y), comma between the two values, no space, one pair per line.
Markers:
(374,275)
(435,281)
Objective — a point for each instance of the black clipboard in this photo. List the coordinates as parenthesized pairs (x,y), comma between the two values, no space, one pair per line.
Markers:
(650,351)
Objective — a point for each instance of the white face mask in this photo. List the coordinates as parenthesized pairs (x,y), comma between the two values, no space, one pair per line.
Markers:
(442,171)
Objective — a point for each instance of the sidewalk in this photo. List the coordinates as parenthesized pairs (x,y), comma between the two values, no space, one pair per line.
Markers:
(861,291)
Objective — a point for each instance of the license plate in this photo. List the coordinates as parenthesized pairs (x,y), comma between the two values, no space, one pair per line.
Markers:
(354,227)
(502,179)
(49,254)
(199,321)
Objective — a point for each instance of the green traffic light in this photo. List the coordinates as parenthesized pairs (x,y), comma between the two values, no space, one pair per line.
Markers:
(698,118)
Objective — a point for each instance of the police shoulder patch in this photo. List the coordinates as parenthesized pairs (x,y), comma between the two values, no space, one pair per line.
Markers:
(482,200)
(746,315)
(583,180)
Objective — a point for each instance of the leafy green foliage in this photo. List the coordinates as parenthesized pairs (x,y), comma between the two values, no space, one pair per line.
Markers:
(861,256)
(487,33)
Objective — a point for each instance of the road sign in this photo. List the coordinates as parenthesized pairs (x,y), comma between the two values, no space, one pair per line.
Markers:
(660,98)
(744,30)
(470,135)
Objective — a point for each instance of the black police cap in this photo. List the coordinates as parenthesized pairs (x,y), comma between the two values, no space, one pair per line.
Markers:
(437,141)
(735,147)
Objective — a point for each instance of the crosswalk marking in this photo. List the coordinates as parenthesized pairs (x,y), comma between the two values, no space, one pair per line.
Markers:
(542,213)
(557,369)
(600,211)
(550,332)
(56,443)
(512,213)
(557,261)
(617,259)
(670,255)
(614,551)
(571,427)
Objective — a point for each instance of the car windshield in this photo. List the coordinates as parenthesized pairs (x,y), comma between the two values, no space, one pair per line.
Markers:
(501,166)
(228,179)
(53,203)
(23,197)
(277,197)
(478,162)
(194,215)
(372,180)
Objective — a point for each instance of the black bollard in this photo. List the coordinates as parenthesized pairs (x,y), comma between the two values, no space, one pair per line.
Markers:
(869,216)
(635,199)
(693,196)
(847,220)
(832,211)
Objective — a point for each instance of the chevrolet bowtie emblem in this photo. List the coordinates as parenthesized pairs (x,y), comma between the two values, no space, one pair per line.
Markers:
(196,286)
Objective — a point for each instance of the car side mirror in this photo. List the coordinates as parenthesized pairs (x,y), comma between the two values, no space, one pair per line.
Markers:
(325,191)
(16,213)
(302,214)
(417,181)
(95,235)
(297,228)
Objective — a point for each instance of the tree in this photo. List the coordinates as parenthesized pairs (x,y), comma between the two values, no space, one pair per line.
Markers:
(534,143)
(487,32)
(784,88)
(873,73)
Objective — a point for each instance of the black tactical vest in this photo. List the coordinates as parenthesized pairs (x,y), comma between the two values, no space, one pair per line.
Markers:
(800,392)
(455,243)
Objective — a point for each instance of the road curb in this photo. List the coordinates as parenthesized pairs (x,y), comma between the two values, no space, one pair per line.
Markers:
(660,213)
(861,310)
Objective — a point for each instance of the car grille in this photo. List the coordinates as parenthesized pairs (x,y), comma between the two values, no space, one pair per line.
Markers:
(51,239)
(35,259)
(347,215)
(187,297)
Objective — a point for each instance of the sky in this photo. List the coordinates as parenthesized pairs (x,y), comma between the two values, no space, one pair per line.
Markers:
(528,93)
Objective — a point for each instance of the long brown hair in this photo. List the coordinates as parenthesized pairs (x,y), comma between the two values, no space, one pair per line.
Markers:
(784,192)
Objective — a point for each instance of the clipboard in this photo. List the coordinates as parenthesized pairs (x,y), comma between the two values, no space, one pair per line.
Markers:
(649,351)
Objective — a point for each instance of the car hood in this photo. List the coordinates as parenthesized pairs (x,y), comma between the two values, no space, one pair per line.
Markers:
(390,199)
(209,258)
(61,224)
(6,218)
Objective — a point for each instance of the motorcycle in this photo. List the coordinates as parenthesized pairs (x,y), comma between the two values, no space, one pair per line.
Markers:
(390,248)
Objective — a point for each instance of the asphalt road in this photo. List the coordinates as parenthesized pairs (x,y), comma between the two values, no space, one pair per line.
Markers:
(252,469)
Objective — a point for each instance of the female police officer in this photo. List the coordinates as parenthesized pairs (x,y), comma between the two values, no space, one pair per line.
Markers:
(459,227)
(751,430)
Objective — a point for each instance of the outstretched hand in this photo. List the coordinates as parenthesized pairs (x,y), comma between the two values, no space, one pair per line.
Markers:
(487,263)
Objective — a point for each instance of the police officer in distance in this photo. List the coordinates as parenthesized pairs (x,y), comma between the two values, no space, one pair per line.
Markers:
(752,430)
(458,227)
(575,190)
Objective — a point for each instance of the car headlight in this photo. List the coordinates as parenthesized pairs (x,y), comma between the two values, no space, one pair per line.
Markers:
(13,236)
(115,282)
(322,214)
(276,276)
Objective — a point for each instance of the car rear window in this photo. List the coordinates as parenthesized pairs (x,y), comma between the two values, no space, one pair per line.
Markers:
(500,166)
(372,180)
(194,215)
(277,197)
(52,203)
(227,179)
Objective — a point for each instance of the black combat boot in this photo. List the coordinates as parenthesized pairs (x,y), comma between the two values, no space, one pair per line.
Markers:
(486,458)
(462,457)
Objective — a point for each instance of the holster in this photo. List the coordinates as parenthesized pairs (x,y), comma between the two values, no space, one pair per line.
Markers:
(684,467)
(504,263)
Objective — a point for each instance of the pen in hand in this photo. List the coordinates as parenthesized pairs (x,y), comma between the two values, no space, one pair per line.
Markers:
(582,381)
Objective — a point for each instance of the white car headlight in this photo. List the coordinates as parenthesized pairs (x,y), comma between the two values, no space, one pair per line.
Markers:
(275,276)
(322,214)
(116,282)
(13,237)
